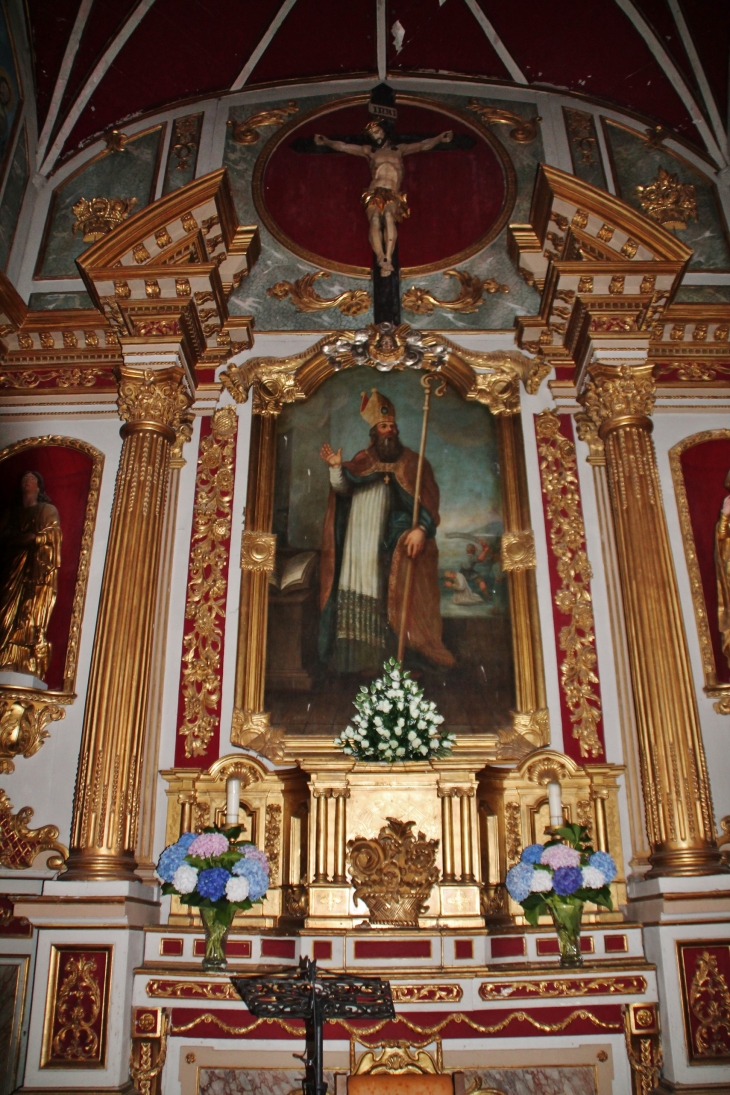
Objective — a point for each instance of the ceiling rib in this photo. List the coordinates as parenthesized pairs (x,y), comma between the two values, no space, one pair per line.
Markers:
(505,56)
(676,78)
(62,79)
(93,82)
(699,72)
(381,33)
(263,45)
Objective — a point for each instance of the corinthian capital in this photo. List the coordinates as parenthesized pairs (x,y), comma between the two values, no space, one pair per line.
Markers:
(153,397)
(618,392)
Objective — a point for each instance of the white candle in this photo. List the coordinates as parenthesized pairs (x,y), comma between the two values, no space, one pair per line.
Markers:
(555,801)
(233,795)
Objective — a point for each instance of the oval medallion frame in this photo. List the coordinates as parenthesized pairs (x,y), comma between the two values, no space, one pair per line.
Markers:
(281,135)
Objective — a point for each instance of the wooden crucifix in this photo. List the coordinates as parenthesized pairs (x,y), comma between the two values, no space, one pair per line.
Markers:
(384,203)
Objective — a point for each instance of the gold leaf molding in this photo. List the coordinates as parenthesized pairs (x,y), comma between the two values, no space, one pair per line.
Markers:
(578,679)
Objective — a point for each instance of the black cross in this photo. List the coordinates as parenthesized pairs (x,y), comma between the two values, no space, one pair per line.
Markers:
(304,993)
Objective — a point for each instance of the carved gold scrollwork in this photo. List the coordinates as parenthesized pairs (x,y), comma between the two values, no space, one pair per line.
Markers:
(643,1046)
(709,1002)
(258,551)
(251,730)
(518,550)
(668,201)
(272,838)
(559,473)
(205,603)
(20,845)
(351,302)
(245,132)
(469,298)
(149,1049)
(525,129)
(23,721)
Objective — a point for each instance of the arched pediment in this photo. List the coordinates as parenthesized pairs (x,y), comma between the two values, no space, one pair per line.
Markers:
(603,269)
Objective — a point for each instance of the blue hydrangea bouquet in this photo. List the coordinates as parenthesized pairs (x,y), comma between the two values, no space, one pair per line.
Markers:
(219,874)
(394,722)
(557,878)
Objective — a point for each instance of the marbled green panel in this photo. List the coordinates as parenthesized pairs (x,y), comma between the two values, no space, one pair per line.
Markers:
(636,163)
(13,198)
(127,174)
(46,302)
(278,264)
(182,155)
(585,152)
(703,294)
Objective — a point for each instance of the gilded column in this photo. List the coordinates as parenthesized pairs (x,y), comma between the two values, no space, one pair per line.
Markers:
(467,869)
(340,795)
(106,804)
(447,833)
(320,838)
(679,817)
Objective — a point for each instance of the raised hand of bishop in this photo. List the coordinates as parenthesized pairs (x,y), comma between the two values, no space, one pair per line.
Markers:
(334,459)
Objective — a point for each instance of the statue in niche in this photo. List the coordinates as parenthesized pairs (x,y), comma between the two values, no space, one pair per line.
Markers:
(384,204)
(367,542)
(30,558)
(722,566)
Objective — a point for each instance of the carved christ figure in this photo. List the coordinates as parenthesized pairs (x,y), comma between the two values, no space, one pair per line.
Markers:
(384,204)
(30,557)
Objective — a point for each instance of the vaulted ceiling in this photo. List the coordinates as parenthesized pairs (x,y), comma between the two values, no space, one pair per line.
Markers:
(99,64)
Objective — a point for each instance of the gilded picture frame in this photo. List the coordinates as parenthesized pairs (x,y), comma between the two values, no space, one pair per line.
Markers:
(492,379)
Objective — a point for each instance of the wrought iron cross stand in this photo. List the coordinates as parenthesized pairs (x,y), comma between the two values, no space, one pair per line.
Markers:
(304,993)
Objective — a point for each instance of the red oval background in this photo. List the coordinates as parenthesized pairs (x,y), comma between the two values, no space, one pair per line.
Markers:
(455,196)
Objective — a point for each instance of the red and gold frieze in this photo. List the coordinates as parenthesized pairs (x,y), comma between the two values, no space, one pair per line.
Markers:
(562,986)
(506,1022)
(704,973)
(77,1005)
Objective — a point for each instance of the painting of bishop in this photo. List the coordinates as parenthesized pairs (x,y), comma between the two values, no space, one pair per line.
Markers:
(347,463)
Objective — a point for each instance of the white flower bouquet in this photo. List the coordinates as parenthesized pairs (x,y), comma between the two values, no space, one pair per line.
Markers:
(394,722)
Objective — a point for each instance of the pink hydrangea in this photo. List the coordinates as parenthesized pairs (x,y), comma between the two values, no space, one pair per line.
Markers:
(560,855)
(209,844)
(252,852)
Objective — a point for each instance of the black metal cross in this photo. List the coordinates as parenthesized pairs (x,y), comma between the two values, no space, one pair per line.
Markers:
(305,994)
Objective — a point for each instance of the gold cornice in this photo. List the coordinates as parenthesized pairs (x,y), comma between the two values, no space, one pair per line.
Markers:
(553,183)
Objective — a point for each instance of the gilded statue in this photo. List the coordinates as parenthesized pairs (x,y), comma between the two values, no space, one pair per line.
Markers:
(383,202)
(30,557)
(722,567)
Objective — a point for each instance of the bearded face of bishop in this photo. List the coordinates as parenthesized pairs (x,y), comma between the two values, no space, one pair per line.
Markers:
(384,438)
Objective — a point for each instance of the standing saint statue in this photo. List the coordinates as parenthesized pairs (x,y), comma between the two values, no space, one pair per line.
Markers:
(30,557)
(368,539)
(384,204)
(722,569)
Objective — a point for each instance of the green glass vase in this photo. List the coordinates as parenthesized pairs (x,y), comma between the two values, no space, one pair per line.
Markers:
(216,936)
(567,914)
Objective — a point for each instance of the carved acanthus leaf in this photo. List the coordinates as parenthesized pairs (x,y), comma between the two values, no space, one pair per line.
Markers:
(20,845)
(616,392)
(351,302)
(151,395)
(23,721)
(469,298)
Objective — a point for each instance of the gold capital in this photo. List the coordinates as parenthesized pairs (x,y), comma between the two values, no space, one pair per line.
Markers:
(153,399)
(616,395)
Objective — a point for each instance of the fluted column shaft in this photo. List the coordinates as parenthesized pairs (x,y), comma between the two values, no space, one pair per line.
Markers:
(675,783)
(447,834)
(340,795)
(106,804)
